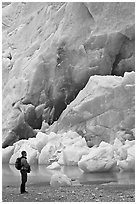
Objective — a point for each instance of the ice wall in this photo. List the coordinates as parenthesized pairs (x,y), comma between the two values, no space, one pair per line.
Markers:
(50,50)
(103,110)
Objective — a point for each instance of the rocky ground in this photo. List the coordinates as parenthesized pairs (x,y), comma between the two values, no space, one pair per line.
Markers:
(85,193)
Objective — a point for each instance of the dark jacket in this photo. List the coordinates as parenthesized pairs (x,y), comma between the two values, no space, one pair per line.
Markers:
(25,165)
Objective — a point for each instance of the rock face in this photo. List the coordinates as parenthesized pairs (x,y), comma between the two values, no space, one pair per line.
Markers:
(50,50)
(103,110)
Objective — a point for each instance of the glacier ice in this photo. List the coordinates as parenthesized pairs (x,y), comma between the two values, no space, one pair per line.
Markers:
(60,180)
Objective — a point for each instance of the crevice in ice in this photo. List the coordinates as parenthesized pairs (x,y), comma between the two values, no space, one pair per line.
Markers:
(88,11)
(5,24)
(126,52)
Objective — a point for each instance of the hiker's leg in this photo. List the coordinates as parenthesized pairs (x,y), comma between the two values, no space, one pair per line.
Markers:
(21,186)
(24,180)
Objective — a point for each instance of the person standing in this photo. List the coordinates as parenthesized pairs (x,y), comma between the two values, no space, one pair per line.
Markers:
(25,168)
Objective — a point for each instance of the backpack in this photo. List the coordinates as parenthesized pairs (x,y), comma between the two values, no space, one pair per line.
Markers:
(18,163)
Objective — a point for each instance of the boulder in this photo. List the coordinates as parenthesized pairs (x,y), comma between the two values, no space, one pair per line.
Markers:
(58,180)
(124,135)
(128,163)
(72,155)
(125,154)
(44,126)
(60,159)
(100,159)
(78,141)
(129,144)
(47,153)
(121,153)
(63,145)
(117,143)
(39,142)
(54,165)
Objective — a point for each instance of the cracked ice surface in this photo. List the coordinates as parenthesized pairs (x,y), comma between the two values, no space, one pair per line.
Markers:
(102,109)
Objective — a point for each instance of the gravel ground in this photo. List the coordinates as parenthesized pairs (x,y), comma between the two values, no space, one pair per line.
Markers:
(84,193)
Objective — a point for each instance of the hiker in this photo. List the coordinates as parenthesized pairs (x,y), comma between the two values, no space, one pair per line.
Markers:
(25,168)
